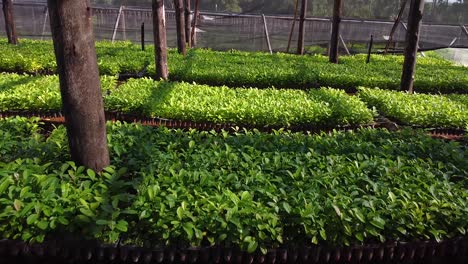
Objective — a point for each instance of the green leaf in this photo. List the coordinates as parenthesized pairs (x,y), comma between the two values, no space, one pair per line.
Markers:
(102,222)
(378,222)
(91,174)
(87,212)
(287,207)
(188,227)
(359,215)
(180,213)
(17,204)
(245,196)
(32,219)
(42,225)
(122,226)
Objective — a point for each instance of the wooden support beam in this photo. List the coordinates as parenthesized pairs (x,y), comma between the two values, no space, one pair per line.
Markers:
(143,36)
(412,44)
(300,41)
(293,26)
(395,25)
(337,12)
(267,36)
(193,37)
(46,16)
(116,25)
(344,45)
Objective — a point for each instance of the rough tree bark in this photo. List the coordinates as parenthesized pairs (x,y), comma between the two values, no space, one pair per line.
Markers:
(412,44)
(160,43)
(337,12)
(10,27)
(180,22)
(72,33)
(187,22)
(300,41)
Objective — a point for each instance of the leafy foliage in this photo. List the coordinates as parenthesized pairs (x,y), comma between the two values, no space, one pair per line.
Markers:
(193,102)
(24,92)
(249,189)
(250,69)
(185,101)
(419,109)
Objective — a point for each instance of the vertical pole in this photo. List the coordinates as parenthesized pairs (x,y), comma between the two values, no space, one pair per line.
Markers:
(160,42)
(193,38)
(10,26)
(369,51)
(344,45)
(46,16)
(300,42)
(463,28)
(293,25)
(143,36)
(116,25)
(124,24)
(412,42)
(180,22)
(82,104)
(395,25)
(266,34)
(187,22)
(337,11)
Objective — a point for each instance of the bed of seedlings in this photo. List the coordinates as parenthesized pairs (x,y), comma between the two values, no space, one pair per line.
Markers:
(220,193)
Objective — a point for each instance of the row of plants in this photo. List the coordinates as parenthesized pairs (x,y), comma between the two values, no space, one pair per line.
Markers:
(247,189)
(274,107)
(37,93)
(192,102)
(248,69)
(419,109)
(183,101)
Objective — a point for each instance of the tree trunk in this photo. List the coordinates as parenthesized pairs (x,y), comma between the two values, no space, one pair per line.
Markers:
(10,27)
(72,33)
(337,12)
(187,22)
(300,41)
(412,44)
(160,43)
(180,21)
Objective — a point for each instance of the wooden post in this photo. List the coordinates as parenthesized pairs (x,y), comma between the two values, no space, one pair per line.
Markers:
(143,36)
(83,107)
(395,25)
(266,34)
(46,16)
(180,22)
(116,25)
(187,22)
(412,42)
(10,26)
(300,42)
(464,30)
(160,42)
(344,45)
(293,26)
(337,11)
(193,37)
(369,51)
(124,24)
